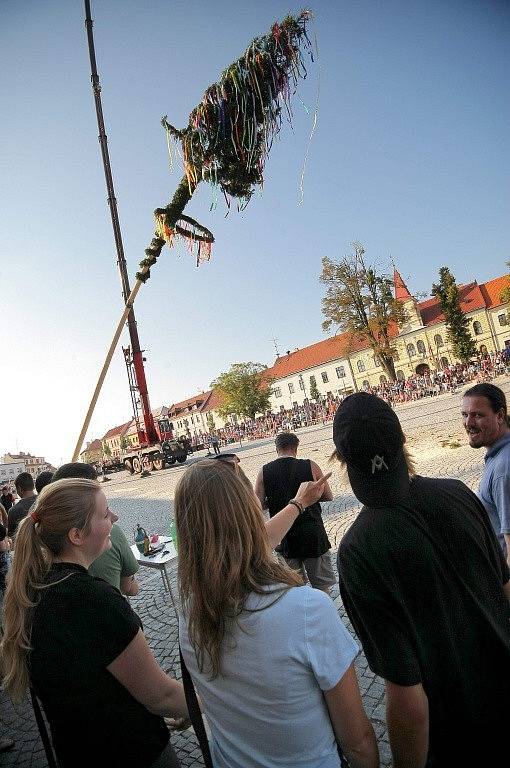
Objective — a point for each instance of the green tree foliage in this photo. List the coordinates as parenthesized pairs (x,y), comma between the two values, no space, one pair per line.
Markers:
(106,449)
(314,392)
(457,324)
(210,422)
(243,390)
(361,302)
(124,443)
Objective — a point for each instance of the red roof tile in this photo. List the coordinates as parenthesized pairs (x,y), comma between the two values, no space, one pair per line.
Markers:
(471,298)
(492,290)
(116,430)
(401,290)
(324,351)
(194,402)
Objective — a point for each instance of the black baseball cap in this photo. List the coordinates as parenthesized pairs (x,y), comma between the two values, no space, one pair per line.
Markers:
(368,437)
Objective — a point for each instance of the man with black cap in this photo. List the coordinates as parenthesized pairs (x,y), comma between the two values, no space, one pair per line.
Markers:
(427,589)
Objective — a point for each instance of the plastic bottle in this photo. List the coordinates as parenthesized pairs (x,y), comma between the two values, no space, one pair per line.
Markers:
(142,540)
(172,532)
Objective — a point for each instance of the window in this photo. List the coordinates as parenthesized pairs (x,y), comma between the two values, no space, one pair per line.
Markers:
(400,375)
(277,392)
(291,388)
(377,362)
(366,384)
(301,383)
(313,381)
(361,366)
(383,379)
(503,319)
(420,346)
(438,340)
(324,376)
(411,351)
(340,372)
(477,328)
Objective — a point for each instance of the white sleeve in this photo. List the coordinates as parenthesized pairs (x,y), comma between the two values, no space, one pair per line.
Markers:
(330,647)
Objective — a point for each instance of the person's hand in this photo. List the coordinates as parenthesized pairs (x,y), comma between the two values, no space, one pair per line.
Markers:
(177,723)
(311,491)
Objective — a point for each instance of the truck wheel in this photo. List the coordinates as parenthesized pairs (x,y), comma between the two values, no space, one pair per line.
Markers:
(181,459)
(158,463)
(128,466)
(136,464)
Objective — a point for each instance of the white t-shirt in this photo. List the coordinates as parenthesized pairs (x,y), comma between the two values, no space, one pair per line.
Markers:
(266,708)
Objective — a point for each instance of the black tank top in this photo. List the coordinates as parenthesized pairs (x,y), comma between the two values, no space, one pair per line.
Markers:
(307,537)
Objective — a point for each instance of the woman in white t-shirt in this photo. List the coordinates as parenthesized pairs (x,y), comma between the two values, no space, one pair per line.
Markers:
(270,658)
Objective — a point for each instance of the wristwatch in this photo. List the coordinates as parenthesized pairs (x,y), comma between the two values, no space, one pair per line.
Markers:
(298,505)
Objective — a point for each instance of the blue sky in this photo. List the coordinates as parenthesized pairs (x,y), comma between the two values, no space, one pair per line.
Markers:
(410,157)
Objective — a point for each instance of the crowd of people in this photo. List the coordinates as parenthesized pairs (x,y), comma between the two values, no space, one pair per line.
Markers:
(415,387)
(423,573)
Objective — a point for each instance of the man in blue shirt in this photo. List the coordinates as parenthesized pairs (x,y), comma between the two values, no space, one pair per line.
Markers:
(485,418)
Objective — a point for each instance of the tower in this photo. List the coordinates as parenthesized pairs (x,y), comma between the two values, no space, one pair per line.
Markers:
(402,294)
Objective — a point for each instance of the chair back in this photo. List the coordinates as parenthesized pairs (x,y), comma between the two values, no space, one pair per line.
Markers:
(43,730)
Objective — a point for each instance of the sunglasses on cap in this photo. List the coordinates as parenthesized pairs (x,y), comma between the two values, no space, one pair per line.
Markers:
(228,458)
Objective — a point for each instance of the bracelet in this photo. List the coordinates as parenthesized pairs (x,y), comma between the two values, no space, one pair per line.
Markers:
(298,505)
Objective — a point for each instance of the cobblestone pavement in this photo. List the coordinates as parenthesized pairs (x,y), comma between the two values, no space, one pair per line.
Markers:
(439,446)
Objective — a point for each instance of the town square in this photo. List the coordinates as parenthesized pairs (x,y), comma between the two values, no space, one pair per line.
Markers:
(255,437)
(438,443)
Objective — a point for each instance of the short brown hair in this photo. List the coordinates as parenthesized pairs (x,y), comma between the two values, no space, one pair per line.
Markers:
(286,440)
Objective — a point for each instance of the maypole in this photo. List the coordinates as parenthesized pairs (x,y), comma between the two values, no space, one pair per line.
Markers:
(226,143)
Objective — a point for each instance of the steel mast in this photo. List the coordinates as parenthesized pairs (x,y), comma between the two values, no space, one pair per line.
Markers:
(134,358)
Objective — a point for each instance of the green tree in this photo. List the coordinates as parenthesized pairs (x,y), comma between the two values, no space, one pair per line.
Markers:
(361,302)
(244,390)
(106,449)
(124,443)
(457,324)
(314,392)
(210,422)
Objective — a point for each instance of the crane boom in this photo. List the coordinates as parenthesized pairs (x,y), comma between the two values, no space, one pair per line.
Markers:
(147,434)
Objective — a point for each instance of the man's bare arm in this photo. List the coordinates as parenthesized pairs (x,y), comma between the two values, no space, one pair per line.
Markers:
(317,474)
(260,492)
(407,718)
(507,542)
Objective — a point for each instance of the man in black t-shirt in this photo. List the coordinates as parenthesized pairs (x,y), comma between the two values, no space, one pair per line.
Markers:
(26,491)
(306,546)
(427,589)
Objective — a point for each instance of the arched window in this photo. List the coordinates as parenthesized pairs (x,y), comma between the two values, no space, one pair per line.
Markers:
(411,351)
(483,350)
(438,340)
(366,384)
(377,362)
(445,362)
(400,375)
(477,328)
(383,379)
(361,366)
(420,346)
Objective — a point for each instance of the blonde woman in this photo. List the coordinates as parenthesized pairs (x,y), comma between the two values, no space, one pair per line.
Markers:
(78,643)
(269,657)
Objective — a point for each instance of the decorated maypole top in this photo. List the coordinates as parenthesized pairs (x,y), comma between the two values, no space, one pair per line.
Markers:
(230,133)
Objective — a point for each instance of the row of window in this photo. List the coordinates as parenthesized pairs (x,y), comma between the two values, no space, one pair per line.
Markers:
(340,374)
(411,351)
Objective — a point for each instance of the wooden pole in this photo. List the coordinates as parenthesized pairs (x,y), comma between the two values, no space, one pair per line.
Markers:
(106,365)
